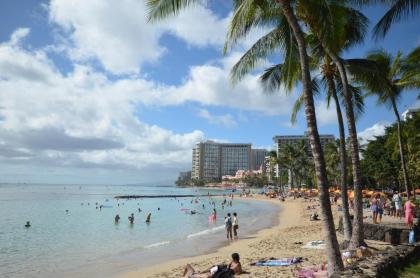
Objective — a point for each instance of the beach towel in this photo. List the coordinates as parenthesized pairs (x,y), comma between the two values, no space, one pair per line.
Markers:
(281,262)
(315,244)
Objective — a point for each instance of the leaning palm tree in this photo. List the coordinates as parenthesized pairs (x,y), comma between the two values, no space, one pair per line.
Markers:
(287,38)
(249,13)
(324,20)
(349,29)
(390,77)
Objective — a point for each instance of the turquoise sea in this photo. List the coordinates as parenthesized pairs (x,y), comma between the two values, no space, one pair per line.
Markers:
(84,241)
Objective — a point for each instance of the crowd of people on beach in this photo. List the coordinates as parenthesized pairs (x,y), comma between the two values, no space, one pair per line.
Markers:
(382,204)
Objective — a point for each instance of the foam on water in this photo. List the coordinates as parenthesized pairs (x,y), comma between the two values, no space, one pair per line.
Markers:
(206,232)
(157,244)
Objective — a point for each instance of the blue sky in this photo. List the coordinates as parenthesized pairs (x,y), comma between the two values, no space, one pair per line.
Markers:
(91,93)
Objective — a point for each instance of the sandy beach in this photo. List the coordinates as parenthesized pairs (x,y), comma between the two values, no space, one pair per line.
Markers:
(280,241)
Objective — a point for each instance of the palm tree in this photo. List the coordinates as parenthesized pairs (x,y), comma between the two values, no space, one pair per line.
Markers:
(273,162)
(332,158)
(351,27)
(287,37)
(323,19)
(389,79)
(249,13)
(294,159)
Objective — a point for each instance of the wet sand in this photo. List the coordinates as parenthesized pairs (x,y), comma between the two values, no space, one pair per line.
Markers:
(280,241)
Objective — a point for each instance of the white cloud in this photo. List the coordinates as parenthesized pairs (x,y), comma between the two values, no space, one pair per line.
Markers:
(18,35)
(324,115)
(117,33)
(369,133)
(198,26)
(78,119)
(114,32)
(84,119)
(226,120)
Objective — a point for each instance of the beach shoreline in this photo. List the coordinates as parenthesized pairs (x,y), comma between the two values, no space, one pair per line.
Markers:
(288,215)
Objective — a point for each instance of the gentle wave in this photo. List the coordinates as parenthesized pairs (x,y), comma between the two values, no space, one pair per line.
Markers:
(206,232)
(157,244)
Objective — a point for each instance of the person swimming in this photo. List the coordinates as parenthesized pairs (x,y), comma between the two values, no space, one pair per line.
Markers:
(131,218)
(148,217)
(139,209)
(117,218)
(28,224)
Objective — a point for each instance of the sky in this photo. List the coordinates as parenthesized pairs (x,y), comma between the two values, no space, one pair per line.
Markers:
(91,93)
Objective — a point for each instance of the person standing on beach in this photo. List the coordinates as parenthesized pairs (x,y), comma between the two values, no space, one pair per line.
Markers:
(235,225)
(409,213)
(374,209)
(228,224)
(397,199)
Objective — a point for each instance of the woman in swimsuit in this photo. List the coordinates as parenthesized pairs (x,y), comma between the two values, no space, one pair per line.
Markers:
(374,208)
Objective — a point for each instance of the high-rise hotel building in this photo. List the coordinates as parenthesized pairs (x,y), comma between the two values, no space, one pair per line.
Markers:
(211,160)
(258,159)
(295,140)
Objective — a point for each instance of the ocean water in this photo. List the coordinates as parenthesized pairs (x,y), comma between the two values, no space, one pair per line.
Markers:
(85,241)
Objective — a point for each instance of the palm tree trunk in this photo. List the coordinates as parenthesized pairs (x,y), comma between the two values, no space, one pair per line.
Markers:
(333,252)
(343,161)
(401,147)
(358,233)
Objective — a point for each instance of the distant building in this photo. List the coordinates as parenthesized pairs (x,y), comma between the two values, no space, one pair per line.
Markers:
(271,170)
(295,140)
(241,174)
(211,160)
(184,176)
(281,141)
(409,113)
(258,159)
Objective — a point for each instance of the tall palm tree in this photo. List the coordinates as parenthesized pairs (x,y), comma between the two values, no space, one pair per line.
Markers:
(295,160)
(389,79)
(247,14)
(253,13)
(323,19)
(349,29)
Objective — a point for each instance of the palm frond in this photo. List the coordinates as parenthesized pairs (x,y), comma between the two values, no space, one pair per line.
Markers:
(266,45)
(356,94)
(160,9)
(249,14)
(399,10)
(297,106)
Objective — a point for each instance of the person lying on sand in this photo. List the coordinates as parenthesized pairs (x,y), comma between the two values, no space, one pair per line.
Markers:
(234,266)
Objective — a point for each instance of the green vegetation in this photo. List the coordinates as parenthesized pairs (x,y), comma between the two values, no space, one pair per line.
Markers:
(381,161)
(411,271)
